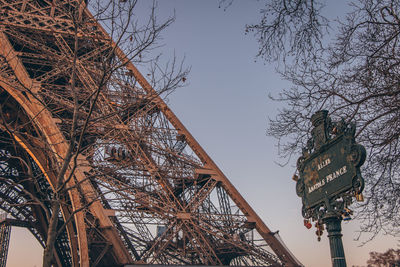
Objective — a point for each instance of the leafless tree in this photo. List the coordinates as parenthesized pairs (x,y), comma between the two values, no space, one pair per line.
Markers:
(71,79)
(388,258)
(353,74)
(349,66)
(292,29)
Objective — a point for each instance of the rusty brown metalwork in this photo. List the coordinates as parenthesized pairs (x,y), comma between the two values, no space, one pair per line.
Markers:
(155,196)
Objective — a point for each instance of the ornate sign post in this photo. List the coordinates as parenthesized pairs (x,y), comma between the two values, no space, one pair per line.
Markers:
(330,177)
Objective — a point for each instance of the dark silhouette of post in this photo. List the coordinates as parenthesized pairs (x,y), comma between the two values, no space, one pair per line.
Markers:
(334,228)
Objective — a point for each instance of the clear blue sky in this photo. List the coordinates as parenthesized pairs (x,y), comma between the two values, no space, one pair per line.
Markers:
(225,106)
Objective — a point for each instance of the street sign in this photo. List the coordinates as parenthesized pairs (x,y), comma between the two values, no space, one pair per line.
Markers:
(330,164)
(329,171)
(330,177)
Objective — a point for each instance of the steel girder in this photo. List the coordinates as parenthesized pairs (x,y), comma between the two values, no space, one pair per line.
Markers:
(143,189)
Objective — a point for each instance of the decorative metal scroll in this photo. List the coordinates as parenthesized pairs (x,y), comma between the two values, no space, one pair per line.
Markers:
(329,168)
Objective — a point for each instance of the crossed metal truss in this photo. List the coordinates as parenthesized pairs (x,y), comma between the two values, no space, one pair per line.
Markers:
(143,191)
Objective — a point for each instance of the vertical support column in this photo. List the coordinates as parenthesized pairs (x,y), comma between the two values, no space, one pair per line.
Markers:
(334,228)
(5,231)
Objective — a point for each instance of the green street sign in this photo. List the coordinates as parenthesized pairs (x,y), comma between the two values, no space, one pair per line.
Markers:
(329,172)
(330,166)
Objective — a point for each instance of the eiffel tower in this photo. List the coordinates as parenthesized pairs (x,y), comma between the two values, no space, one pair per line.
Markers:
(141,189)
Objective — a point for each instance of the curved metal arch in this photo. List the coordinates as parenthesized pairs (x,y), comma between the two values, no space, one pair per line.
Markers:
(53,140)
(15,187)
(18,146)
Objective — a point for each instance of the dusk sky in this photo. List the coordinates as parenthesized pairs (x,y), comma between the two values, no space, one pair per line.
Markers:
(225,106)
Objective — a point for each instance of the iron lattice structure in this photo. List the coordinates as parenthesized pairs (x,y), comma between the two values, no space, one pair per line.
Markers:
(142,190)
(5,231)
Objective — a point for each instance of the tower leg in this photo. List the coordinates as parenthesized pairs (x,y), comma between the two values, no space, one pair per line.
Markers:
(5,231)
